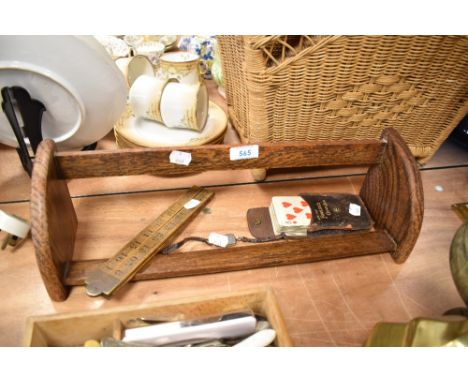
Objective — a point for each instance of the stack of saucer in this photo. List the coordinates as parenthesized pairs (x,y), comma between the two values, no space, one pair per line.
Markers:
(290,215)
(133,132)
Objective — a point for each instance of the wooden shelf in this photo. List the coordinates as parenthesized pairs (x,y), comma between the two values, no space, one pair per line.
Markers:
(392,192)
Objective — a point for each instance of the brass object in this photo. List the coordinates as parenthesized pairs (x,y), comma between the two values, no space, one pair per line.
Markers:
(91,344)
(449,331)
(459,261)
(461,209)
(118,270)
(452,330)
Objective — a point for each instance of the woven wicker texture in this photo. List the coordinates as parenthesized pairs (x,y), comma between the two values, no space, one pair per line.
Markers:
(294,88)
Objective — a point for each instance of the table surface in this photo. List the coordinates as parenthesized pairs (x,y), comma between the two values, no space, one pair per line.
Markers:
(328,303)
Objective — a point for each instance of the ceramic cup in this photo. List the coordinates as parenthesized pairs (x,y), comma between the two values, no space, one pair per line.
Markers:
(181,66)
(204,47)
(153,50)
(145,97)
(174,104)
(134,67)
(185,105)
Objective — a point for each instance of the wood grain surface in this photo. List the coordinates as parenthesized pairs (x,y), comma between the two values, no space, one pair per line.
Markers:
(53,221)
(73,329)
(216,157)
(329,303)
(88,164)
(324,304)
(250,257)
(393,194)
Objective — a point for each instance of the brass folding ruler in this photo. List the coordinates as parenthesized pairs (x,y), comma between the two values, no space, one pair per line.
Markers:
(118,270)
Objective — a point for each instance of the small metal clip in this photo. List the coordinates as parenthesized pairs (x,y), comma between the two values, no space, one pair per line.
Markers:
(231,239)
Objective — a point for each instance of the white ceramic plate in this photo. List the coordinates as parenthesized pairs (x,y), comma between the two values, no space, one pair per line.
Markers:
(73,76)
(147,133)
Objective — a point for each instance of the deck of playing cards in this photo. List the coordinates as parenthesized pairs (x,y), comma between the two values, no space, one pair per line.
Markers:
(290,215)
(309,215)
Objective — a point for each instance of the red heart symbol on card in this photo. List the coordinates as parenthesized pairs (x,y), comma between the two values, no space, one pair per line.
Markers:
(304,204)
(286,204)
(297,210)
(309,216)
(290,217)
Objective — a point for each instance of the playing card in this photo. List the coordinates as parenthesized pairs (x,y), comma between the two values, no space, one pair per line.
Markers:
(291,211)
(288,230)
(325,214)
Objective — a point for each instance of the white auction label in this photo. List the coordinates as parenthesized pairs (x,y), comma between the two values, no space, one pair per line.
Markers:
(243,152)
(355,209)
(180,157)
(191,204)
(218,239)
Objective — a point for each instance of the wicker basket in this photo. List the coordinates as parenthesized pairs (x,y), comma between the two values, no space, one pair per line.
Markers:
(293,88)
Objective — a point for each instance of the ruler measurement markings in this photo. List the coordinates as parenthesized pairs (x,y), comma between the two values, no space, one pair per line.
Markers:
(154,226)
(154,236)
(120,268)
(128,268)
(130,258)
(149,230)
(168,233)
(145,256)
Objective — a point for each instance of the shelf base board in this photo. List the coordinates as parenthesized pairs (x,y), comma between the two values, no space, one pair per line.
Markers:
(262,255)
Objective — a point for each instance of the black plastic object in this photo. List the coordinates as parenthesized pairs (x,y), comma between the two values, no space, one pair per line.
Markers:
(460,133)
(90,147)
(31,113)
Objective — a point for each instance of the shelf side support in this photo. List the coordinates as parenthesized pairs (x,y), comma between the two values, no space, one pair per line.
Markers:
(53,221)
(393,194)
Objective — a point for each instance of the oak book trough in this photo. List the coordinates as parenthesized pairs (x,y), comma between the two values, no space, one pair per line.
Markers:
(392,192)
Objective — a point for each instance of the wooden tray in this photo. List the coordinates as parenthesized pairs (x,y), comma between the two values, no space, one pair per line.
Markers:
(73,329)
(392,192)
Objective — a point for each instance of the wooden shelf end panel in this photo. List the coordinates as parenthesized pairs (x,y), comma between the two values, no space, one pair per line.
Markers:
(53,221)
(393,194)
